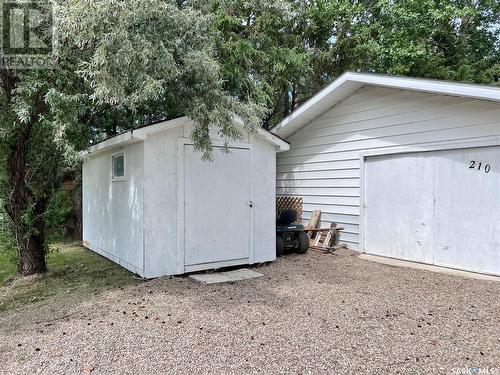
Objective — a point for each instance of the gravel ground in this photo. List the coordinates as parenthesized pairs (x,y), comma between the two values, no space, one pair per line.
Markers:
(312,314)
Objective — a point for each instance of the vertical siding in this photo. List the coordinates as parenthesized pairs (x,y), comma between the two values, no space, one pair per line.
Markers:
(161,199)
(264,200)
(160,208)
(323,163)
(113,210)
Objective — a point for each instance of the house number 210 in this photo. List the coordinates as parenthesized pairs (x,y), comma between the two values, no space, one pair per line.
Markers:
(472,165)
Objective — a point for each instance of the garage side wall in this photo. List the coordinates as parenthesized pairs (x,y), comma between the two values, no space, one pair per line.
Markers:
(113,210)
(323,164)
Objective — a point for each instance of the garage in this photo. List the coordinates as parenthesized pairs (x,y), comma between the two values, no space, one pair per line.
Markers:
(409,167)
(152,205)
(435,207)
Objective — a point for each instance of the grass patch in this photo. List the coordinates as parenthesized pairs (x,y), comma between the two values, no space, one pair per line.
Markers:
(73,270)
(7,266)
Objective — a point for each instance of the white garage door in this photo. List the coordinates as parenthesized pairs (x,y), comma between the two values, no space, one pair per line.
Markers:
(440,207)
(216,208)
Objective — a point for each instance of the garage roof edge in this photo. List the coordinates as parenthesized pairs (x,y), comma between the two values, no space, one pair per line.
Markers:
(349,82)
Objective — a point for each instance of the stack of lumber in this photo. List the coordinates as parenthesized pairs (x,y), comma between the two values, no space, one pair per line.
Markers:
(323,239)
(314,220)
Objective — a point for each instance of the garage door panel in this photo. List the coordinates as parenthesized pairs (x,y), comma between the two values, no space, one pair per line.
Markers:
(467,226)
(398,207)
(440,207)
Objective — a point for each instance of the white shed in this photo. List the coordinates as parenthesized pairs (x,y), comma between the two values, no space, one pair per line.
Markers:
(153,206)
(409,167)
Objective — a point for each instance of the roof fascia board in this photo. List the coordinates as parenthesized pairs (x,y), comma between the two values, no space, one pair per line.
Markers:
(119,140)
(132,136)
(428,85)
(141,134)
(280,144)
(349,82)
(146,131)
(322,101)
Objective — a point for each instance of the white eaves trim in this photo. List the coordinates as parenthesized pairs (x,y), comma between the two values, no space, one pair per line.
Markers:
(140,134)
(280,144)
(349,82)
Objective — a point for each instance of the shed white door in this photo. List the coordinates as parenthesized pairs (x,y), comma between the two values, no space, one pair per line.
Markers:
(216,208)
(440,207)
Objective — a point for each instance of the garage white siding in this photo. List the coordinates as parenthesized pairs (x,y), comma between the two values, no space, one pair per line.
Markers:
(323,165)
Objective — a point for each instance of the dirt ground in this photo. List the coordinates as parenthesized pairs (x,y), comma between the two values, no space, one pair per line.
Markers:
(311,314)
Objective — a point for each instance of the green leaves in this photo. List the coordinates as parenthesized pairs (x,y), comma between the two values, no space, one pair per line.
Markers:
(134,53)
(455,40)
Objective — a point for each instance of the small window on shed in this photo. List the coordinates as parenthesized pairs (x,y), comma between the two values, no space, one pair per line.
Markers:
(119,167)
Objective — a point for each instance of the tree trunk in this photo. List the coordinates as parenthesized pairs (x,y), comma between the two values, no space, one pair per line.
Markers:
(286,103)
(294,98)
(29,239)
(31,255)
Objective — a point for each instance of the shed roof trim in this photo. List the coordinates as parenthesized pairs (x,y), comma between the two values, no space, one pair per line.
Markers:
(142,133)
(349,82)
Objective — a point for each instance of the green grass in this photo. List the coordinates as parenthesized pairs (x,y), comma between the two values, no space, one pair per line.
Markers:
(73,271)
(7,266)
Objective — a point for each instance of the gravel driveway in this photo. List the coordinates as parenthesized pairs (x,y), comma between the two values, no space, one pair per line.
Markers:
(311,314)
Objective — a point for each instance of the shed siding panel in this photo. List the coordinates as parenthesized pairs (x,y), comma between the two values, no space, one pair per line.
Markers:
(160,157)
(323,164)
(264,187)
(113,210)
(162,205)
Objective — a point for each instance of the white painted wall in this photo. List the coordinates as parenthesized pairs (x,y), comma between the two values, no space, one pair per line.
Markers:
(113,210)
(264,200)
(323,164)
(135,222)
(432,207)
(160,208)
(162,205)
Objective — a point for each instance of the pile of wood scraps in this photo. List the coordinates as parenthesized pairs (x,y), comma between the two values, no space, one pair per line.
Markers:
(323,239)
(320,239)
